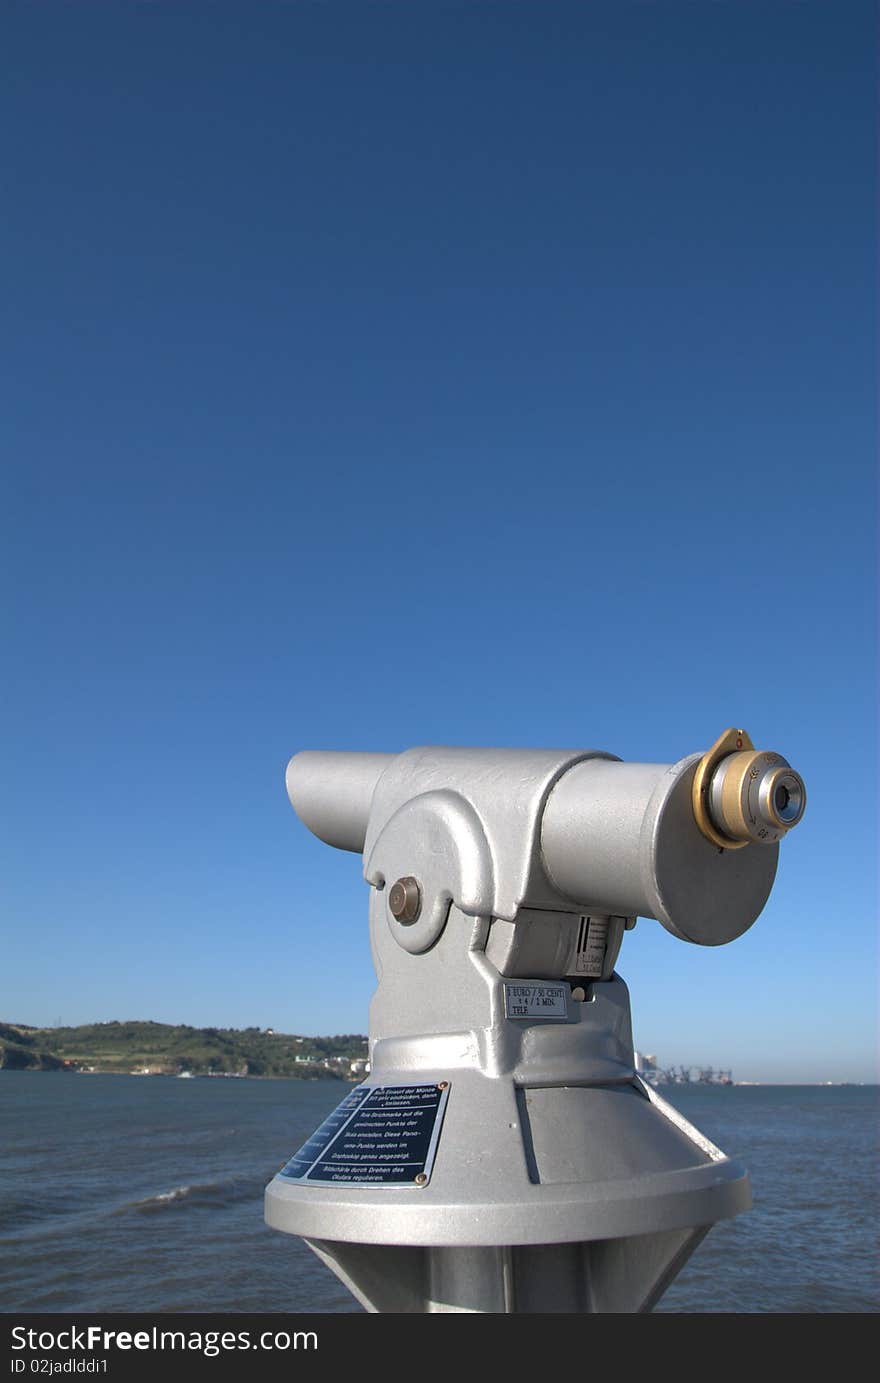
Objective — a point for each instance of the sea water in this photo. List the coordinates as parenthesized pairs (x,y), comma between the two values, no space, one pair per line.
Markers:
(127,1193)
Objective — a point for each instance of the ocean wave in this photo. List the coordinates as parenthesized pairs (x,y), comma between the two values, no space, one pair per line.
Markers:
(43,1213)
(206,1193)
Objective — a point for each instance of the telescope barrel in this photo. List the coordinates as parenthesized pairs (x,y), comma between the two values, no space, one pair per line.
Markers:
(592,836)
(331,792)
(692,844)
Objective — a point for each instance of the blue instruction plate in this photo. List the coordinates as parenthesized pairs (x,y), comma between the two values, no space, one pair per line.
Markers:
(381,1135)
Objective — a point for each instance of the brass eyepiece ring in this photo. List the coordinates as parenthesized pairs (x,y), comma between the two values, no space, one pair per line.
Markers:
(731,742)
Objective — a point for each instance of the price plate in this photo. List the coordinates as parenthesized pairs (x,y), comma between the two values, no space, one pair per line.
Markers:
(535,999)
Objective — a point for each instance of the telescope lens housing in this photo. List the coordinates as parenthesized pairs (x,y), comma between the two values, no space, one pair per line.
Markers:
(756,796)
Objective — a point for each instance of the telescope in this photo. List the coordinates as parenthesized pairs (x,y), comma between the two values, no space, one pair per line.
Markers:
(504,1155)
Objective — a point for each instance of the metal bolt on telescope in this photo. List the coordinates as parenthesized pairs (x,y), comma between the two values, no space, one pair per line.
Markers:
(504,1155)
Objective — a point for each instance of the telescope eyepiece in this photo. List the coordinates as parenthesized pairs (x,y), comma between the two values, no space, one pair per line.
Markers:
(743,795)
(755,797)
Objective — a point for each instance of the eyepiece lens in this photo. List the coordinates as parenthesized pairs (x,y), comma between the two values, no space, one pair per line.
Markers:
(788,801)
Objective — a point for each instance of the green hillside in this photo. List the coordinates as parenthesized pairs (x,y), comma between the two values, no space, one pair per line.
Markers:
(166,1049)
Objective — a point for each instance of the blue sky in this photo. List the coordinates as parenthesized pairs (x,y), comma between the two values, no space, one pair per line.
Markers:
(389,374)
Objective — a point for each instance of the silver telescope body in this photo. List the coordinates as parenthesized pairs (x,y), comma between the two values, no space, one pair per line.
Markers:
(611,837)
(505,1153)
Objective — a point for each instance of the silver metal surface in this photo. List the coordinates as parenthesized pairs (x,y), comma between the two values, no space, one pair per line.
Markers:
(487,804)
(560,1181)
(621,838)
(716,795)
(529,1163)
(332,791)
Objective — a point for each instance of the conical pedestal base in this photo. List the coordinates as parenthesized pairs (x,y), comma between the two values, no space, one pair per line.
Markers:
(562,1199)
(616,1276)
